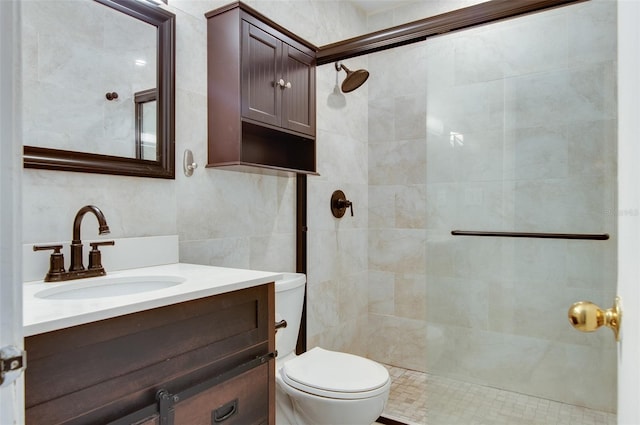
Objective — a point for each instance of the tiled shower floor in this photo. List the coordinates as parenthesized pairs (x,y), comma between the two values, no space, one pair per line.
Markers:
(421,398)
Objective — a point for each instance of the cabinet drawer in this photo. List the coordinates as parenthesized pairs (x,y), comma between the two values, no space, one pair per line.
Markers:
(243,400)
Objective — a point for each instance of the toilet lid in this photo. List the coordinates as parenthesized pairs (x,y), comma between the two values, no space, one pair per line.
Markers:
(336,375)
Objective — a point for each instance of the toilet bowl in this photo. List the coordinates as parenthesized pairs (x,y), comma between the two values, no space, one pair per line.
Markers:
(321,386)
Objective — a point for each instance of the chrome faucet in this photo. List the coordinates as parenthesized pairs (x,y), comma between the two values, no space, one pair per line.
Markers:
(76,268)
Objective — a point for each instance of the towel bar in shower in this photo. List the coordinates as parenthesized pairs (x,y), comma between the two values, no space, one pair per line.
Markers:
(583,236)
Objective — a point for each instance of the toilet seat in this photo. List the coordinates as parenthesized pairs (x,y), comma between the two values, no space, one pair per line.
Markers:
(336,375)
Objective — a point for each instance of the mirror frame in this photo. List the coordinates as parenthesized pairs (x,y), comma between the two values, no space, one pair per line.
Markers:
(64,160)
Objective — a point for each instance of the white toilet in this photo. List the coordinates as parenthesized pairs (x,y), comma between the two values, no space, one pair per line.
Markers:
(321,386)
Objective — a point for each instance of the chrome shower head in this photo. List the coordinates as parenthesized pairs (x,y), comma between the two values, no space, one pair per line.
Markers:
(354,78)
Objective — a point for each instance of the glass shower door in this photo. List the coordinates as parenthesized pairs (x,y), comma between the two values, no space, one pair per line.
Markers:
(521,137)
(508,127)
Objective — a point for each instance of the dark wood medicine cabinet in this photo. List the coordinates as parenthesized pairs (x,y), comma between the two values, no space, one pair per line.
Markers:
(261,94)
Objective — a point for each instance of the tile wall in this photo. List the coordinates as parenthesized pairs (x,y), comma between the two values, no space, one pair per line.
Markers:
(403,12)
(337,303)
(235,219)
(509,127)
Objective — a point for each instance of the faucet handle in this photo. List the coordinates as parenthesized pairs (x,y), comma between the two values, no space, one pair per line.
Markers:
(56,248)
(95,257)
(56,262)
(95,245)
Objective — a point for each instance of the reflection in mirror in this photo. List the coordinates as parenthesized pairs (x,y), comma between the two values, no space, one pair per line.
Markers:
(77,64)
(99,87)
(146,113)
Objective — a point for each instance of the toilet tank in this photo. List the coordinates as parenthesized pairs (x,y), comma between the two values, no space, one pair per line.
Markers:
(289,298)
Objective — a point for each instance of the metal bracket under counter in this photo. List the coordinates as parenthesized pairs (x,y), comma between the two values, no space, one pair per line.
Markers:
(166,401)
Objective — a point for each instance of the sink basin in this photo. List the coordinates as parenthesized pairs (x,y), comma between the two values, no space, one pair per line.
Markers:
(108,287)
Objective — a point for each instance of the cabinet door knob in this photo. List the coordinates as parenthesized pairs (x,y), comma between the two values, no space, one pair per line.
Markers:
(288,85)
(280,83)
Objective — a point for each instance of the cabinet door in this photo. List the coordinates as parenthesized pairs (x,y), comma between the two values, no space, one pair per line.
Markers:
(298,100)
(261,71)
(243,400)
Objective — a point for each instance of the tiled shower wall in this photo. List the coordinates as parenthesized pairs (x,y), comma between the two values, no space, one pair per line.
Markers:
(337,302)
(510,126)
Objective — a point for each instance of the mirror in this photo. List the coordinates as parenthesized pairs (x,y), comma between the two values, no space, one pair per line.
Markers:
(99,87)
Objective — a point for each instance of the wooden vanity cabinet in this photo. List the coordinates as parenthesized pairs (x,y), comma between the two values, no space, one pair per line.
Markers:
(261,95)
(205,361)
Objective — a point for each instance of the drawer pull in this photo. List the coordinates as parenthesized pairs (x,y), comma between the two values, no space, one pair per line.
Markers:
(223,413)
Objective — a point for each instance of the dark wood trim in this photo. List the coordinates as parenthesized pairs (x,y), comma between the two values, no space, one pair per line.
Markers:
(479,14)
(388,421)
(271,318)
(301,252)
(166,95)
(580,236)
(62,160)
(144,96)
(139,99)
(301,223)
(145,12)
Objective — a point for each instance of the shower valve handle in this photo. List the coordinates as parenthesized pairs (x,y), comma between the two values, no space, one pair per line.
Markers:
(339,204)
(343,203)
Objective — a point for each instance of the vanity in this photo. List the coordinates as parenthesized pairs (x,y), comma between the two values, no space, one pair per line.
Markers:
(192,345)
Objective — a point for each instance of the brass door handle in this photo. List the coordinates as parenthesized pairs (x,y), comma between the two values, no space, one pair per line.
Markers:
(585,316)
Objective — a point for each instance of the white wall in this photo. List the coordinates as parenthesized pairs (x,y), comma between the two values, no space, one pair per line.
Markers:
(628,199)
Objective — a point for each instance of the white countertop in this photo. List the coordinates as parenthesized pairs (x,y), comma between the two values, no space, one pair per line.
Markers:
(44,315)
